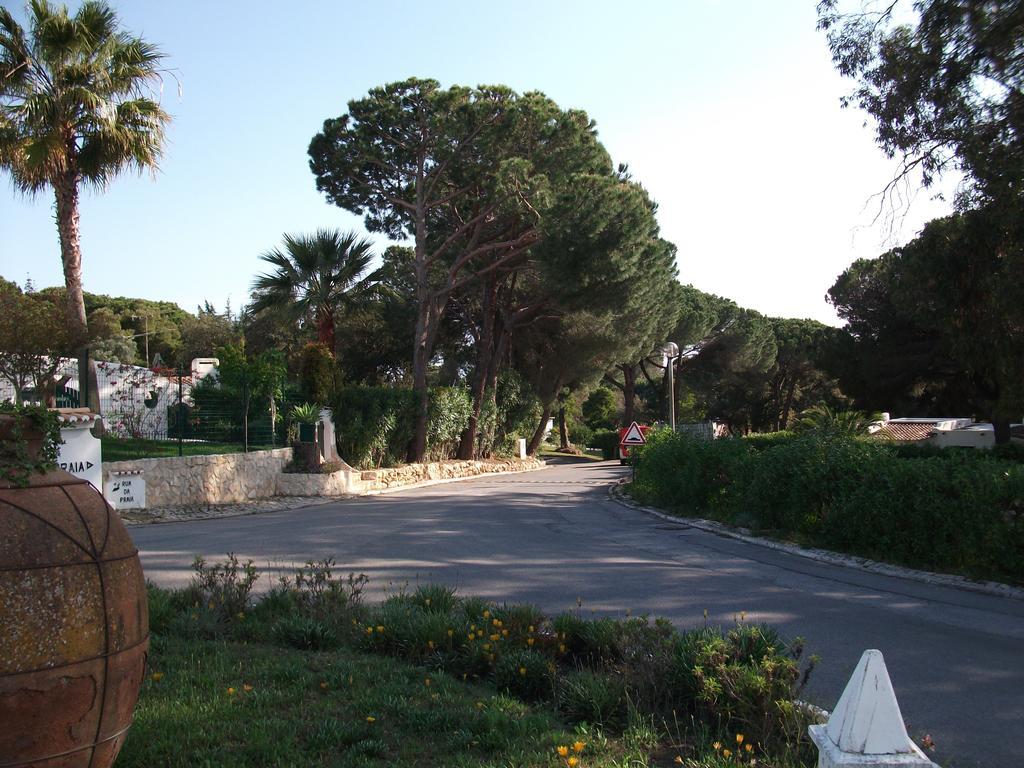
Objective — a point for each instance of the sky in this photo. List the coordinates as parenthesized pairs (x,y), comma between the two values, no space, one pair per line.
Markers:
(727,112)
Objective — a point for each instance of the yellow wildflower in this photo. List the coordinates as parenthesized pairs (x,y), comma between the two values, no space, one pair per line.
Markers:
(323,685)
(739,738)
(495,638)
(430,644)
(561,647)
(156,677)
(563,751)
(529,641)
(717,745)
(748,747)
(247,688)
(504,633)
(522,671)
(451,632)
(426,682)
(479,705)
(572,762)
(678,760)
(380,628)
(727,753)
(472,627)
(487,646)
(371,719)
(487,614)
(530,628)
(427,601)
(231,691)
(577,746)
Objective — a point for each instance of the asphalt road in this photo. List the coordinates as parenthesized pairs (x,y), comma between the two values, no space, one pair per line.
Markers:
(551,537)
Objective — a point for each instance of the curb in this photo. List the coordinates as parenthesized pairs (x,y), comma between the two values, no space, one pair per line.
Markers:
(863,564)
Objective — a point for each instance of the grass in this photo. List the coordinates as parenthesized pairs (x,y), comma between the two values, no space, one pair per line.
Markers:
(209,702)
(310,676)
(588,454)
(123,449)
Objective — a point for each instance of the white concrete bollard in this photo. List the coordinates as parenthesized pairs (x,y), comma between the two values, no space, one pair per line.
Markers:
(866,728)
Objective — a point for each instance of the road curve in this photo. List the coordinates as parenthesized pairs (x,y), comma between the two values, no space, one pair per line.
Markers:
(554,536)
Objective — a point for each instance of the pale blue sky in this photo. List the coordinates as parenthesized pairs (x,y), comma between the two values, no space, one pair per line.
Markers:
(727,111)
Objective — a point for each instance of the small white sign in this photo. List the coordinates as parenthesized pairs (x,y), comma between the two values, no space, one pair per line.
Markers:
(126,491)
(80,455)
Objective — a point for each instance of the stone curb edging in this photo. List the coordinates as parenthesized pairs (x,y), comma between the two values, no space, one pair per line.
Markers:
(994,588)
(280,504)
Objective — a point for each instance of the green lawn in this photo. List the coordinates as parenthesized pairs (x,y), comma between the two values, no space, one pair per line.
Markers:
(209,702)
(122,449)
(311,676)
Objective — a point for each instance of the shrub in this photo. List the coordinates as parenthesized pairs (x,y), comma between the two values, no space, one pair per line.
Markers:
(450,409)
(581,435)
(743,681)
(374,425)
(598,699)
(318,374)
(527,674)
(316,591)
(224,587)
(435,598)
(959,510)
(304,632)
(607,442)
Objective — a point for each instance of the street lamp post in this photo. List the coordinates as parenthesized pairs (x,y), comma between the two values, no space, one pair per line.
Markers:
(670,351)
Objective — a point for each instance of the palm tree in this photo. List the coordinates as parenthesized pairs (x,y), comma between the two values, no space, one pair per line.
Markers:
(74,110)
(822,419)
(316,276)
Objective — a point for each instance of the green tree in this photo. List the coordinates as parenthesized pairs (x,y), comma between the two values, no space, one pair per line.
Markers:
(933,325)
(945,91)
(251,377)
(464,173)
(206,332)
(318,277)
(599,409)
(823,419)
(33,338)
(75,109)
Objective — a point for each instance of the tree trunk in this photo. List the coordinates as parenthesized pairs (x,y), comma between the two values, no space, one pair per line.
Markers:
(629,393)
(424,303)
(66,202)
(467,446)
(538,434)
(563,431)
(788,407)
(325,329)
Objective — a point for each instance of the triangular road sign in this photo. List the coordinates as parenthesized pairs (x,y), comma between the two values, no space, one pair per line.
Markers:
(633,436)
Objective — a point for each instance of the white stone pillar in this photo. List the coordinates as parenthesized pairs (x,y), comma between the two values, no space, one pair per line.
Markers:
(330,446)
(866,729)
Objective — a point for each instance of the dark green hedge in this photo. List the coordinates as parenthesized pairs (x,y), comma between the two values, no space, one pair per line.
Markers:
(374,425)
(961,511)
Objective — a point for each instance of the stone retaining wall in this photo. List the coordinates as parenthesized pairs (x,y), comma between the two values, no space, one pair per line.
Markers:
(408,474)
(217,479)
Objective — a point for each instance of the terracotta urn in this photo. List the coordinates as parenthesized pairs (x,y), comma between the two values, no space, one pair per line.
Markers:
(74,626)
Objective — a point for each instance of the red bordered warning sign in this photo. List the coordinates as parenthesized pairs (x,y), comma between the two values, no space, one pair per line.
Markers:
(633,436)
